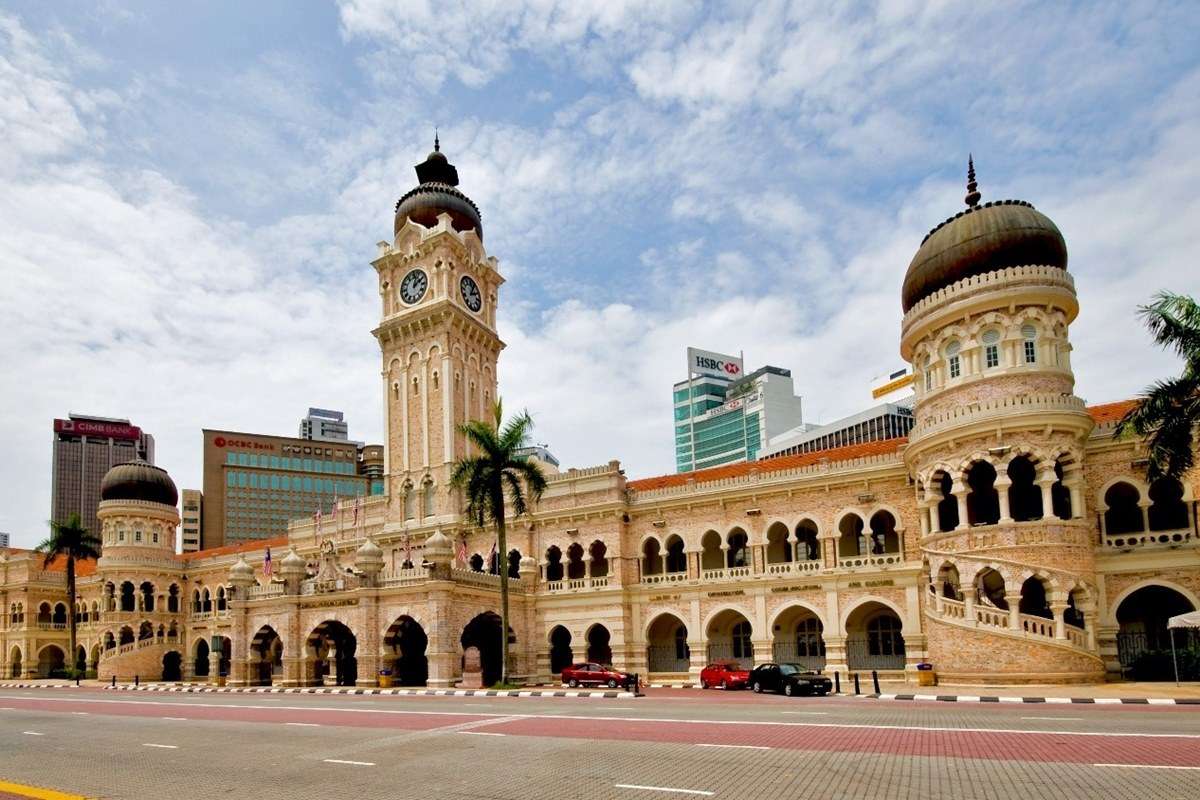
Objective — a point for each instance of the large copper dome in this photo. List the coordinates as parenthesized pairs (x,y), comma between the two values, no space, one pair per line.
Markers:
(436,194)
(981,239)
(137,480)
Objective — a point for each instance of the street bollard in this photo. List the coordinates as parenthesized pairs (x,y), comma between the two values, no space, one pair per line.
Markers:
(77,679)
(875,680)
(135,680)
(856,689)
(114,683)
(837,683)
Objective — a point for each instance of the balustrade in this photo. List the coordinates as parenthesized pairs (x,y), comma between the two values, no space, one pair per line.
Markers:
(666,577)
(881,560)
(1141,540)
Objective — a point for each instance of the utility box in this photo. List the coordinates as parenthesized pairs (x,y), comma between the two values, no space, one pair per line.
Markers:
(925,675)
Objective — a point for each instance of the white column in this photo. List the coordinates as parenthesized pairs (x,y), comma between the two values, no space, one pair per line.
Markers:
(425,413)
(405,380)
(1003,484)
(447,410)
(960,493)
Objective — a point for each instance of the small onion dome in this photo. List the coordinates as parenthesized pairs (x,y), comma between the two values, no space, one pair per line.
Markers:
(138,480)
(293,563)
(241,573)
(368,558)
(438,547)
(436,194)
(981,239)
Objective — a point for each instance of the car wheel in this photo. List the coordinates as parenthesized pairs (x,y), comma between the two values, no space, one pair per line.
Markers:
(724,686)
(757,687)
(788,689)
(612,683)
(703,685)
(572,683)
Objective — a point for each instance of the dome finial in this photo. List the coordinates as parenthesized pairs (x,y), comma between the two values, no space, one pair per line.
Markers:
(973,195)
(437,145)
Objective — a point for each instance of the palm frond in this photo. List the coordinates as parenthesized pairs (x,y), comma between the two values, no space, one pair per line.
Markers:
(535,479)
(1174,321)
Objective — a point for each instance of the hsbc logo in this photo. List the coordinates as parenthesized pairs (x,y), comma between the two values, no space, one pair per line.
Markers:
(717,365)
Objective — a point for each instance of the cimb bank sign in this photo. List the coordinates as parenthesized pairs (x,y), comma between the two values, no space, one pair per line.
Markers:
(706,362)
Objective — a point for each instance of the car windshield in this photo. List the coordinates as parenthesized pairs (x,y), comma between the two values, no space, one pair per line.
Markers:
(790,669)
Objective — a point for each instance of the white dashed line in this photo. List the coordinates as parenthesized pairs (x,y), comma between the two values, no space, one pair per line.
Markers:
(351,763)
(163,746)
(1143,766)
(662,789)
(734,746)
(80,713)
(809,713)
(32,733)
(177,719)
(480,733)
(303,724)
(1057,719)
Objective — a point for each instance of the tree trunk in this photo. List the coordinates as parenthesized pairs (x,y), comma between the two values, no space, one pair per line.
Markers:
(502,568)
(73,657)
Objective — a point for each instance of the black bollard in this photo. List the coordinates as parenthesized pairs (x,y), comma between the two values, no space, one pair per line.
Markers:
(875,680)
(135,680)
(114,683)
(837,682)
(856,689)
(77,679)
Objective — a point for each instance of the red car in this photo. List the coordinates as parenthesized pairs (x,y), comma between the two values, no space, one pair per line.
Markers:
(726,674)
(592,674)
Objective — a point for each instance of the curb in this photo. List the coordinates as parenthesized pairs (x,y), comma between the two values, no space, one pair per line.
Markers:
(355,691)
(967,698)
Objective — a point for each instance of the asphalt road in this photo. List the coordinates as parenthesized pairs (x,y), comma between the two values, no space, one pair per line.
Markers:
(670,744)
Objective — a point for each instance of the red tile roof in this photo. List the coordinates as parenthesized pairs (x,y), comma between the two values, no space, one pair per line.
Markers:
(847,453)
(83,568)
(241,547)
(1111,412)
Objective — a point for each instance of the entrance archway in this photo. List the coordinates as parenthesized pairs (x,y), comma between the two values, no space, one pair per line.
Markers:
(561,654)
(81,658)
(266,657)
(200,659)
(728,638)
(874,638)
(172,666)
(1143,639)
(51,662)
(798,638)
(14,660)
(667,645)
(406,641)
(483,632)
(332,648)
(599,650)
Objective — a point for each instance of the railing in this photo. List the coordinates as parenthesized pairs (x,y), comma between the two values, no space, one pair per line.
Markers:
(267,590)
(1148,539)
(725,573)
(1038,626)
(881,560)
(953,609)
(126,648)
(483,579)
(577,584)
(1077,636)
(790,567)
(199,616)
(52,626)
(554,586)
(991,617)
(405,577)
(665,577)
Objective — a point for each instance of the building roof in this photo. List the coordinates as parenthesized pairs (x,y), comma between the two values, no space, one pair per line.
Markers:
(847,453)
(241,547)
(1111,412)
(139,480)
(83,567)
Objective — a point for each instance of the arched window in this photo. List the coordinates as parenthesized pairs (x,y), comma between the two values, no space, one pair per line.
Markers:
(1029,343)
(554,567)
(652,562)
(221,604)
(1123,514)
(427,494)
(884,637)
(947,508)
(808,548)
(809,642)
(575,566)
(853,540)
(884,538)
(410,502)
(983,504)
(1024,496)
(742,647)
(599,553)
(927,372)
(991,349)
(1060,494)
(953,363)
(739,552)
(514,564)
(676,559)
(1167,512)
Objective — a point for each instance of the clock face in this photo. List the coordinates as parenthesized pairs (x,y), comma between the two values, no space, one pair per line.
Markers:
(412,288)
(470,293)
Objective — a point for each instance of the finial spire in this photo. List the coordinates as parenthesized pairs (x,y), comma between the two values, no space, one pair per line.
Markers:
(973,195)
(437,145)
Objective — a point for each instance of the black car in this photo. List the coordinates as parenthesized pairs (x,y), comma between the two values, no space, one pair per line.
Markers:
(791,679)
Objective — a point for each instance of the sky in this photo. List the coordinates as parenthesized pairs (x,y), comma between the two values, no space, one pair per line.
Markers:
(191,193)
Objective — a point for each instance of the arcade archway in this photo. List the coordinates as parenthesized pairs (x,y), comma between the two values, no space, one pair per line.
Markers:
(406,642)
(266,657)
(332,648)
(483,633)
(561,654)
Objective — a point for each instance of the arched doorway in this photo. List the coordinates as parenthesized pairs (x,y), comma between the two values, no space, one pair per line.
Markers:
(599,650)
(1034,599)
(483,633)
(332,648)
(667,645)
(172,666)
(561,654)
(126,635)
(51,662)
(798,638)
(874,638)
(200,659)
(14,660)
(406,641)
(80,658)
(1143,639)
(729,638)
(266,657)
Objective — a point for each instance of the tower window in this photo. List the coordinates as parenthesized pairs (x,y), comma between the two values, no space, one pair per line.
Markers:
(991,349)
(1029,334)
(952,357)
(928,372)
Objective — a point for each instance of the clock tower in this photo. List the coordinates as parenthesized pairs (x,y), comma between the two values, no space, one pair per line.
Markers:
(438,339)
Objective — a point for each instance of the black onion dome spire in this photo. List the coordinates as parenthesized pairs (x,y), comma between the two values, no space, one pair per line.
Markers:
(982,239)
(138,480)
(436,194)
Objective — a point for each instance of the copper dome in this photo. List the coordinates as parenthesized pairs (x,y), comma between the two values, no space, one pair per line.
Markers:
(981,239)
(436,194)
(137,480)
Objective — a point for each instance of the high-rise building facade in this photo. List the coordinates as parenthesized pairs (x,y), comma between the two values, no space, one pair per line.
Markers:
(727,421)
(4,539)
(254,484)
(85,448)
(325,425)
(191,520)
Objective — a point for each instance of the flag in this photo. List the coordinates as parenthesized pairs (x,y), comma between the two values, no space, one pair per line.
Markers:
(407,550)
(461,555)
(267,564)
(356,505)
(317,518)
(335,510)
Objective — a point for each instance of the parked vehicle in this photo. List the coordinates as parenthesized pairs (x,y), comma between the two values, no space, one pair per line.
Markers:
(725,674)
(593,674)
(790,679)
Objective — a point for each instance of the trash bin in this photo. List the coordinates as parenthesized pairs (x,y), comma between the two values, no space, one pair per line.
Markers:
(385,679)
(221,680)
(925,675)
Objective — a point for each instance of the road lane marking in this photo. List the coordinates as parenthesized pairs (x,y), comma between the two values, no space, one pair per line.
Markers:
(810,713)
(734,746)
(32,733)
(177,719)
(163,746)
(24,790)
(351,763)
(593,718)
(480,733)
(80,713)
(1143,766)
(304,724)
(617,708)
(1059,719)
(700,792)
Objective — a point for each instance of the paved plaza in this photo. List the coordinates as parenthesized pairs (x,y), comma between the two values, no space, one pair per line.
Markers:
(671,743)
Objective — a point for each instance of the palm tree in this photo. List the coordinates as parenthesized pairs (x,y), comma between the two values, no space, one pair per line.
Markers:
(1169,410)
(75,542)
(497,482)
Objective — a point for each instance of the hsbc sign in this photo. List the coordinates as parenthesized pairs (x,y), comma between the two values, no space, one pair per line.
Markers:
(706,362)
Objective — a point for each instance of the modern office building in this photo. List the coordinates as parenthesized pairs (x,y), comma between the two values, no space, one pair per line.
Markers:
(190,521)
(85,448)
(4,539)
(884,421)
(324,425)
(254,484)
(727,421)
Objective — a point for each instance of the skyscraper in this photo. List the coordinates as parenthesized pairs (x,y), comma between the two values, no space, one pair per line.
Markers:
(324,425)
(85,448)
